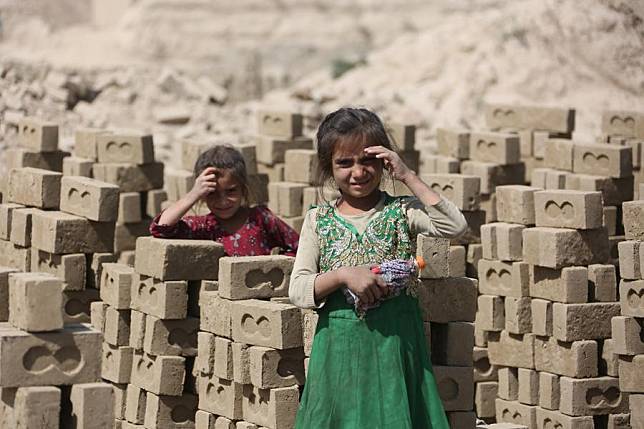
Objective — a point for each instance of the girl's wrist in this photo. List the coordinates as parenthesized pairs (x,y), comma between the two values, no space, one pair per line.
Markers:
(409,177)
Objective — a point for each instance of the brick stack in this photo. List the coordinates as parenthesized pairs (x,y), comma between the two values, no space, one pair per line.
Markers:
(150,330)
(627,328)
(250,362)
(548,314)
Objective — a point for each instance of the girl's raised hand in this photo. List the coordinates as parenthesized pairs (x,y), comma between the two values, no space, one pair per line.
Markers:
(392,161)
(368,286)
(205,183)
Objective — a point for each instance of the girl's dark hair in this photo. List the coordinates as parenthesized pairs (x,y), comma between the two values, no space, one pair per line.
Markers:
(225,157)
(345,125)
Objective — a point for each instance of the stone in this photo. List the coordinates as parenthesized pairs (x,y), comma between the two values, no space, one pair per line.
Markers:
(435,252)
(35,302)
(89,198)
(573,359)
(504,278)
(568,209)
(462,190)
(37,135)
(59,232)
(448,300)
(131,177)
(515,204)
(560,247)
(267,323)
(157,257)
(35,187)
(248,277)
(501,148)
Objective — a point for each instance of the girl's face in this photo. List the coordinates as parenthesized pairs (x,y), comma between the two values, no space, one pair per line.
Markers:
(227,197)
(357,174)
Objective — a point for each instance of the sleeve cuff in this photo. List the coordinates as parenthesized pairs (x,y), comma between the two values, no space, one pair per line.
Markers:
(309,297)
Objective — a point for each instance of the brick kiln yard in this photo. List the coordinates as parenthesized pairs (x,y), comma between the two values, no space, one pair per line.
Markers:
(107,327)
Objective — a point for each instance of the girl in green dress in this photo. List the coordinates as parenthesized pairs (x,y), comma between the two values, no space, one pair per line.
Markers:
(374,371)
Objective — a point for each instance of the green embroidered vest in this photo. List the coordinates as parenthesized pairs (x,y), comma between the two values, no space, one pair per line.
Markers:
(386,237)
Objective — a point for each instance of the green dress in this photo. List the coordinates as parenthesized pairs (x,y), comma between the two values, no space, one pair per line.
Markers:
(373,372)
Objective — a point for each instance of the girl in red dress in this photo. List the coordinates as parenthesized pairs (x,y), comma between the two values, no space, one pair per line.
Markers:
(221,182)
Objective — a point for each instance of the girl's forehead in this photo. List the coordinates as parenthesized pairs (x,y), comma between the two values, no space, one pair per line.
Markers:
(350,147)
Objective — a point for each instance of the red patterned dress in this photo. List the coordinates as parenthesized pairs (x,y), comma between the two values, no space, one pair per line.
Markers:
(261,232)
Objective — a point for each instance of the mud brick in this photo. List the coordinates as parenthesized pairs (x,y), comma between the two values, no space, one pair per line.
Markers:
(549,391)
(501,148)
(568,209)
(94,268)
(270,368)
(461,419)
(455,386)
(223,365)
(120,400)
(170,411)
(22,353)
(633,215)
(541,317)
(631,373)
(613,250)
(129,208)
(528,386)
(554,419)
(572,322)
(623,123)
(136,404)
(474,221)
(37,135)
(515,413)
(504,278)
(547,178)
(488,204)
(614,190)
(529,117)
(309,324)
(603,160)
(19,158)
(35,302)
(165,300)
(275,408)
(271,151)
(575,359)
(285,198)
(279,124)
(126,234)
(254,276)
(490,315)
(480,336)
(130,177)
(452,343)
(241,363)
(493,175)
(171,337)
(117,327)
(437,164)
(626,335)
(267,324)
(204,363)
(77,305)
(137,329)
(35,187)
(448,300)
(90,198)
(484,396)
(37,407)
(453,142)
(462,190)
(116,285)
(301,165)
(631,297)
(608,358)
(85,142)
(610,219)
(4,292)
(14,256)
(92,406)
(619,421)
(518,315)
(275,172)
(206,420)
(403,135)
(502,241)
(602,283)
(59,232)
(221,397)
(457,261)
(630,266)
(514,350)
(121,148)
(162,375)
(153,199)
(508,383)
(248,152)
(6,218)
(75,166)
(474,255)
(97,315)
(560,247)
(637,410)
(21,226)
(116,363)
(483,370)
(590,397)
(515,204)
(558,154)
(215,313)
(177,183)
(569,284)
(435,252)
